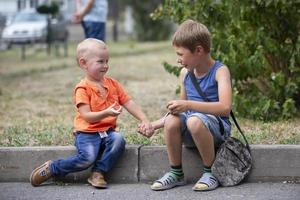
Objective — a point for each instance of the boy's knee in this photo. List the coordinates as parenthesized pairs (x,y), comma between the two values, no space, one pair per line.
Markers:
(172,122)
(119,141)
(85,161)
(195,125)
(86,158)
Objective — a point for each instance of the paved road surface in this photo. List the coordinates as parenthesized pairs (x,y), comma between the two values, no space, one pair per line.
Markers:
(255,191)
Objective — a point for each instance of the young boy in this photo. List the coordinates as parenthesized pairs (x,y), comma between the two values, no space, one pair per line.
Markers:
(192,120)
(98,100)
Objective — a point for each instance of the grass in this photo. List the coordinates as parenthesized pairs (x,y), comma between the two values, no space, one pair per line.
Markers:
(36,107)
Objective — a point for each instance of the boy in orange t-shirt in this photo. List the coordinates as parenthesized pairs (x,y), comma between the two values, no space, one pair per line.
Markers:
(99,100)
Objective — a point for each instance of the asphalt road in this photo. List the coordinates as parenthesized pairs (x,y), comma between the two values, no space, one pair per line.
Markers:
(255,191)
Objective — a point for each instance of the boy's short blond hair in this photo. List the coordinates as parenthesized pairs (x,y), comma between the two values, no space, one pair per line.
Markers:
(88,46)
(191,34)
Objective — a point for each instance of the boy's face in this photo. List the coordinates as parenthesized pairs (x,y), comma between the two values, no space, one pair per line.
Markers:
(186,58)
(97,64)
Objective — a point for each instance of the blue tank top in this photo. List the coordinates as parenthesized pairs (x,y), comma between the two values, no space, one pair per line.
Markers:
(208,85)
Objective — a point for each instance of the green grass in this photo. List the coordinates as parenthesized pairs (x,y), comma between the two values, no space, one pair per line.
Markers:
(36,105)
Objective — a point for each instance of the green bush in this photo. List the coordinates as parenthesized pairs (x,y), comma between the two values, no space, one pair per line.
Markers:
(51,9)
(259,41)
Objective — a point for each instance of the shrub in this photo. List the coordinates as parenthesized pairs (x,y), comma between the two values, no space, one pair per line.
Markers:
(51,9)
(259,41)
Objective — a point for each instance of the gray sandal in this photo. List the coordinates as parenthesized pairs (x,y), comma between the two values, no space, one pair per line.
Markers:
(206,182)
(168,181)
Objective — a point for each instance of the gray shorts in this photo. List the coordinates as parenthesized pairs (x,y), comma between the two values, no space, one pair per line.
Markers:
(211,123)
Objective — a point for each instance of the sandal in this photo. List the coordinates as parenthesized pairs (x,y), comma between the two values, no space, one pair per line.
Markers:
(206,182)
(168,181)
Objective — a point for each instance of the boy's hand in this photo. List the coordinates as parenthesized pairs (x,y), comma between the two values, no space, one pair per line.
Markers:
(146,129)
(177,106)
(114,110)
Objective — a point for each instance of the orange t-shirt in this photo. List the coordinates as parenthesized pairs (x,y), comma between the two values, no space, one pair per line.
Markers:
(86,92)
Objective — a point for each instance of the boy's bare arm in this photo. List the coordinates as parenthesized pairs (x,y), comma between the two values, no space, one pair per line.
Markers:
(135,110)
(225,89)
(182,74)
(160,122)
(91,117)
(145,128)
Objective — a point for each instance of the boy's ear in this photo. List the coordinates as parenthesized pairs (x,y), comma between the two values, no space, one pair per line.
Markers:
(199,49)
(81,62)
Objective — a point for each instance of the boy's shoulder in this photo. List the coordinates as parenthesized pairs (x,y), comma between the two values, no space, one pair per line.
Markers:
(81,84)
(183,71)
(111,81)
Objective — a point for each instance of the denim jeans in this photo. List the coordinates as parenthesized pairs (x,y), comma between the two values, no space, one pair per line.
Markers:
(94,29)
(210,122)
(102,153)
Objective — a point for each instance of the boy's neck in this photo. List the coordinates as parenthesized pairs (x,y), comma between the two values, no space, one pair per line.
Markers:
(204,66)
(94,80)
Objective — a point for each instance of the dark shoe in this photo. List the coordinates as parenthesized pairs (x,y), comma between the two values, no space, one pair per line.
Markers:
(40,174)
(97,180)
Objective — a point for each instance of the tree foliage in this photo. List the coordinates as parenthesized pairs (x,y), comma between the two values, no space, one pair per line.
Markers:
(259,41)
(51,9)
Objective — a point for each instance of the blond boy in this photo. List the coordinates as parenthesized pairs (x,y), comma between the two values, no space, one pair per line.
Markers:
(99,100)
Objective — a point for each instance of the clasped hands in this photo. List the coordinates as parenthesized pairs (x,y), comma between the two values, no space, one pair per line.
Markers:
(146,129)
(174,107)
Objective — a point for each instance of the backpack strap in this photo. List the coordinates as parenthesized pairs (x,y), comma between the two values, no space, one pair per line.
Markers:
(201,93)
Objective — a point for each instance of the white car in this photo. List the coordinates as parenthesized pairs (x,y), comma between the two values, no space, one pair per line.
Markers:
(31,27)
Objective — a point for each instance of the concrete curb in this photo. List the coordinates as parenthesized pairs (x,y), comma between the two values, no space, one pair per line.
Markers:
(147,163)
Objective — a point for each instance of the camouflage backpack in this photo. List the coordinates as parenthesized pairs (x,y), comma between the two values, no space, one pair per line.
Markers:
(233,161)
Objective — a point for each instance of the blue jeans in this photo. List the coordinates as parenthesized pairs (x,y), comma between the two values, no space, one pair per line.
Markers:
(94,29)
(102,153)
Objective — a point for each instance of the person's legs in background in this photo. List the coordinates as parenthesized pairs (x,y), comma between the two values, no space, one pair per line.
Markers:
(94,30)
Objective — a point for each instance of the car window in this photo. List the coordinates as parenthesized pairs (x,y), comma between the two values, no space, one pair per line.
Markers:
(29,17)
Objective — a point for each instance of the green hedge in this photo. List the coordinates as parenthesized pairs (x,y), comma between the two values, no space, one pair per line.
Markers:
(259,41)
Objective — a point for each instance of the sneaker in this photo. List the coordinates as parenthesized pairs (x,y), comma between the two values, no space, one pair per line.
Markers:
(168,181)
(206,182)
(97,180)
(40,174)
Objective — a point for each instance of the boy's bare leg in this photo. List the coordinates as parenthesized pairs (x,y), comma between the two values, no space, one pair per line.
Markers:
(175,176)
(173,139)
(203,140)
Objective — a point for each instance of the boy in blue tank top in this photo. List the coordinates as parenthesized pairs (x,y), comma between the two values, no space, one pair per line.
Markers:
(191,119)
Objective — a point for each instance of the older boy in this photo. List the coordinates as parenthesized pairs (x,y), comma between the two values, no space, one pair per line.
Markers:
(192,120)
(98,100)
